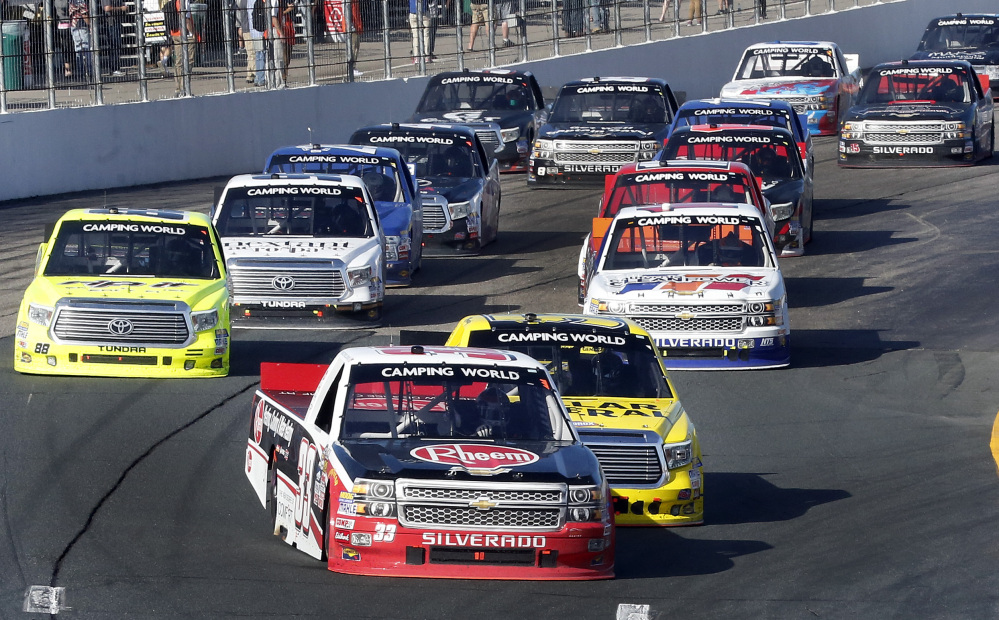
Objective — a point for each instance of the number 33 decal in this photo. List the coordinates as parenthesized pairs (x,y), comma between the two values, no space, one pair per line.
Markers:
(384,532)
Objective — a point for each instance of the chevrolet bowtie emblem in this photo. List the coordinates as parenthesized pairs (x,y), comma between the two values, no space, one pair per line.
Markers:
(594,151)
(685,316)
(483,503)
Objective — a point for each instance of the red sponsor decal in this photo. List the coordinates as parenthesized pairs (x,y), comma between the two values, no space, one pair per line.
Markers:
(258,422)
(475,456)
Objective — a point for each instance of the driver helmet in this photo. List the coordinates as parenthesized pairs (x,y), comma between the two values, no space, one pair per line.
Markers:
(492,405)
(608,369)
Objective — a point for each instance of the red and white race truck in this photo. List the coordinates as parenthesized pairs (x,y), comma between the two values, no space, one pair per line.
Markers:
(429,462)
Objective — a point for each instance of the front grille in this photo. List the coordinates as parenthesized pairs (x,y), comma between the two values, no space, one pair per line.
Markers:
(908,138)
(593,158)
(595,152)
(481,505)
(433,217)
(502,518)
(667,324)
(488,138)
(629,464)
(674,308)
(109,325)
(286,283)
(564,145)
(495,495)
(932,126)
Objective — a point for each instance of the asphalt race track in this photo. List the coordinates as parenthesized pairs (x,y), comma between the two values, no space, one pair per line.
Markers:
(859,483)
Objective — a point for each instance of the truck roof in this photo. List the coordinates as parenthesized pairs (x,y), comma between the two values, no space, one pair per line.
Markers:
(276,178)
(124,213)
(691,208)
(465,356)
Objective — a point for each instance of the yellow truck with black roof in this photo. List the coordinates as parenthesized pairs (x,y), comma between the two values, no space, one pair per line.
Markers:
(610,377)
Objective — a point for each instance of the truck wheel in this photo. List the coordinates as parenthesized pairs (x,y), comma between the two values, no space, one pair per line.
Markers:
(327,530)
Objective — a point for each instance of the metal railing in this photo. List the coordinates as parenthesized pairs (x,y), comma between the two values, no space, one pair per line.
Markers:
(41,69)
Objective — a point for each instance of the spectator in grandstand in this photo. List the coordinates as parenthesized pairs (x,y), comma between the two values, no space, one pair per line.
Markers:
(253,42)
(419,25)
(79,28)
(282,36)
(479,12)
(63,38)
(115,12)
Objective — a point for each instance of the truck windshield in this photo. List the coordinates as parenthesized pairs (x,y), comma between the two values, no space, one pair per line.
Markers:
(775,117)
(772,158)
(656,188)
(133,249)
(311,211)
(947,35)
(583,369)
(475,93)
(378,173)
(435,402)
(768,62)
(432,156)
(676,240)
(638,104)
(924,83)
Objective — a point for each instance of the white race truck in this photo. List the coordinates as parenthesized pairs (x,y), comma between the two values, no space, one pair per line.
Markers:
(303,251)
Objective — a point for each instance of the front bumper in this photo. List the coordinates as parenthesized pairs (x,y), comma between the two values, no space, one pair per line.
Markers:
(545,172)
(454,240)
(795,239)
(514,156)
(36,353)
(398,273)
(723,351)
(463,554)
(299,315)
(822,122)
(857,154)
(678,502)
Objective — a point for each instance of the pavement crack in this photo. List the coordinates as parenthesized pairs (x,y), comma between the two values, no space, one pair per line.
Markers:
(124,474)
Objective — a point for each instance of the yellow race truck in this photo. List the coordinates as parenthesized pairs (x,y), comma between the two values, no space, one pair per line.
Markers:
(126,293)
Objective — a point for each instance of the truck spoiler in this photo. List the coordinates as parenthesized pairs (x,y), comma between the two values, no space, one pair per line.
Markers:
(281,377)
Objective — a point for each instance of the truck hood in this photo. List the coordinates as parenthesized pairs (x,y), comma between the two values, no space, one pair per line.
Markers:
(724,283)
(298,248)
(608,413)
(395,217)
(48,290)
(454,189)
(913,110)
(974,56)
(505,119)
(600,131)
(775,87)
(510,461)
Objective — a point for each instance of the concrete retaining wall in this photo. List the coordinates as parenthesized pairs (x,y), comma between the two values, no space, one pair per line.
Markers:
(67,150)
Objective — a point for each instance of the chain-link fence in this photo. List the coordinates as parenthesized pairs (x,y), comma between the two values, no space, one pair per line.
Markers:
(68,53)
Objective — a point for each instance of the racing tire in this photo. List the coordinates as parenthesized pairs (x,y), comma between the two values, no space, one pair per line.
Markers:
(324,554)
(419,261)
(496,228)
(807,234)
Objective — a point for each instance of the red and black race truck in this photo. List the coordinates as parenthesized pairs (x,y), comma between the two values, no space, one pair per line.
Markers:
(429,462)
